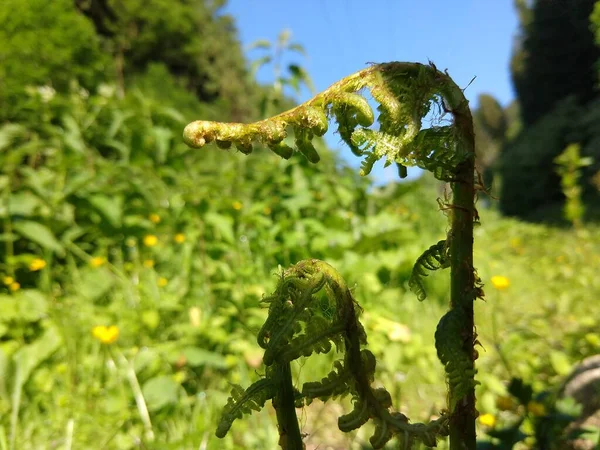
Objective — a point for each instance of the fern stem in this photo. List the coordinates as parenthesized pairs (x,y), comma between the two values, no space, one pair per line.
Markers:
(284,404)
(463,291)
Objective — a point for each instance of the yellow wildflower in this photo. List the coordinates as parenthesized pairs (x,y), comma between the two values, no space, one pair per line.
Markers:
(14,286)
(7,281)
(150,240)
(148,263)
(179,238)
(97,261)
(162,282)
(237,205)
(536,408)
(154,218)
(106,335)
(487,420)
(505,403)
(37,264)
(500,282)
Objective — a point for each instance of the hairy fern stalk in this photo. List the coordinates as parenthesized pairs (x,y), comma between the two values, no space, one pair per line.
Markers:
(296,326)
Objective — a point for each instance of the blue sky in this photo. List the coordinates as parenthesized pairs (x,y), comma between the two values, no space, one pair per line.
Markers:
(470,38)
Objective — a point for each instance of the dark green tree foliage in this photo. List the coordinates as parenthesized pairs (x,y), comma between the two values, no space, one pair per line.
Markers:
(529,180)
(556,57)
(491,125)
(45,43)
(595,20)
(491,116)
(196,43)
(555,77)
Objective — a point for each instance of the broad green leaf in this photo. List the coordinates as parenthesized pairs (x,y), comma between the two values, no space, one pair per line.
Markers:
(123,149)
(41,181)
(8,133)
(560,362)
(95,282)
(27,305)
(147,358)
(258,63)
(72,136)
(10,310)
(38,233)
(163,140)
(200,357)
(159,392)
(23,204)
(119,117)
(260,43)
(295,47)
(222,224)
(299,74)
(30,356)
(32,305)
(172,113)
(111,208)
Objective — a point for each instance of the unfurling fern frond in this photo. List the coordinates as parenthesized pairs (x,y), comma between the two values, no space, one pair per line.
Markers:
(310,310)
(290,306)
(333,385)
(382,435)
(316,338)
(355,418)
(457,362)
(404,92)
(244,402)
(435,257)
(312,307)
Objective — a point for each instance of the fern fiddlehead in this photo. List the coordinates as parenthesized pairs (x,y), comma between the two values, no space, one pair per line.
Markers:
(405,93)
(434,258)
(301,328)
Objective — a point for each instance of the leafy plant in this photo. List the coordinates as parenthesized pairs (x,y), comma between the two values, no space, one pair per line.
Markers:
(539,419)
(406,93)
(296,76)
(569,164)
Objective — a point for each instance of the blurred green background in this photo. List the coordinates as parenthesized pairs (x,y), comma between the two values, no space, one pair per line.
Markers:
(132,267)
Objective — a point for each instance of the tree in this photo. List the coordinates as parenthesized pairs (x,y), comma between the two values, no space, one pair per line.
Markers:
(556,57)
(45,43)
(555,78)
(196,43)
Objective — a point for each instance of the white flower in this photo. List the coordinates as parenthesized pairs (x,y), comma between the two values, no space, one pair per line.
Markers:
(106,90)
(46,93)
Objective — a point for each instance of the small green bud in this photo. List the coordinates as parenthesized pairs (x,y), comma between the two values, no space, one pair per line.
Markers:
(274,132)
(279,148)
(402,171)
(316,120)
(304,144)
(223,144)
(308,150)
(244,146)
